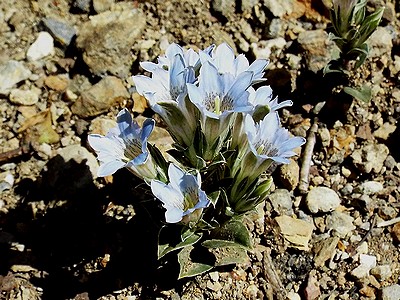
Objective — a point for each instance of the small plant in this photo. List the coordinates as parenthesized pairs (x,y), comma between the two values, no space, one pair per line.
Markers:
(351,27)
(227,136)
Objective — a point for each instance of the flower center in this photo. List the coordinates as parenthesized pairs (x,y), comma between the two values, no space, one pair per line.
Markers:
(266,148)
(133,147)
(189,198)
(215,104)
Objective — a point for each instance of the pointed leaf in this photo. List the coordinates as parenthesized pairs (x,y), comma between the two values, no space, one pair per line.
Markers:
(189,268)
(364,93)
(234,231)
(229,255)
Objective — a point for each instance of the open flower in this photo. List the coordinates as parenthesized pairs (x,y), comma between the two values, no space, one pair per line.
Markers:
(223,58)
(182,196)
(125,146)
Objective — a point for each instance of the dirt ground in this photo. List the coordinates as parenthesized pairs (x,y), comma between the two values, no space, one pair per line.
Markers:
(67,234)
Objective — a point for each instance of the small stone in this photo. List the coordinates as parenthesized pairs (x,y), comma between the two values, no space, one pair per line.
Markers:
(57,82)
(24,97)
(83,5)
(340,223)
(312,290)
(80,154)
(102,5)
(370,158)
(368,291)
(391,292)
(12,73)
(370,187)
(107,39)
(296,232)
(263,49)
(279,8)
(281,202)
(214,286)
(6,181)
(139,103)
(289,175)
(382,272)
(384,131)
(390,162)
(223,8)
(380,42)
(387,212)
(325,250)
(396,232)
(293,296)
(367,262)
(214,276)
(61,31)
(42,47)
(100,97)
(322,199)
(101,125)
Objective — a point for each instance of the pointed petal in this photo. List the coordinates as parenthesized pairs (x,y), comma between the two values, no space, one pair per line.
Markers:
(110,168)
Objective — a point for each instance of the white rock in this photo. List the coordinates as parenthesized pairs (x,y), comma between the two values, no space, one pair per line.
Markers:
(382,272)
(281,202)
(322,199)
(391,292)
(367,262)
(12,73)
(80,154)
(340,223)
(23,97)
(42,47)
(371,187)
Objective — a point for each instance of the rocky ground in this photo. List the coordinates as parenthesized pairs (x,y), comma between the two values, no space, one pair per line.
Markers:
(66,234)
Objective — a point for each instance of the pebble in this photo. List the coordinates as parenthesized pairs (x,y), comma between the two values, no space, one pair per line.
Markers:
(317,47)
(24,97)
(396,232)
(322,199)
(312,290)
(340,223)
(102,5)
(325,250)
(58,83)
(369,187)
(106,41)
(370,158)
(61,31)
(42,47)
(263,49)
(382,272)
(223,8)
(101,125)
(100,97)
(384,131)
(281,202)
(289,175)
(380,42)
(296,232)
(6,181)
(80,154)
(279,8)
(367,262)
(12,73)
(391,292)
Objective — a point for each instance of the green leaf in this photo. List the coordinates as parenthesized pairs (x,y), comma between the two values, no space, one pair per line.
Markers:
(158,158)
(234,231)
(229,255)
(364,93)
(189,268)
(214,196)
(167,247)
(215,243)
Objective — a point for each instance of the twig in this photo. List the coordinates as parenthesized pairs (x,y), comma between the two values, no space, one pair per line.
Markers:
(8,155)
(272,276)
(306,162)
(373,223)
(388,222)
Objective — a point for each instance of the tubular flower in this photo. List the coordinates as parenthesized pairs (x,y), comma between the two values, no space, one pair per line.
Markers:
(182,196)
(125,146)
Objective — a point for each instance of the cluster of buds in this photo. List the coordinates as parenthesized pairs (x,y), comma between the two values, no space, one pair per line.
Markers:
(226,134)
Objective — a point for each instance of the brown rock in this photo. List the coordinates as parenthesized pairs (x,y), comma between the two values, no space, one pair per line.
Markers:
(396,232)
(289,175)
(58,83)
(100,97)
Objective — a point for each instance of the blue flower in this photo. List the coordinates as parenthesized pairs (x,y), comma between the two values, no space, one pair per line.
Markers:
(182,196)
(223,58)
(269,141)
(125,146)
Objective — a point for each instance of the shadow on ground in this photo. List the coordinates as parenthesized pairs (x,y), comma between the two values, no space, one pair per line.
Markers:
(67,236)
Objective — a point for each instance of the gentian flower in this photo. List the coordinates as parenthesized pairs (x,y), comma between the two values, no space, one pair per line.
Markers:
(217,97)
(125,146)
(182,196)
(223,58)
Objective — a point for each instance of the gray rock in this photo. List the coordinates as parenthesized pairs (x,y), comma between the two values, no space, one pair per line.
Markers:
(317,48)
(325,250)
(390,162)
(370,157)
(370,187)
(322,199)
(391,292)
(83,5)
(380,42)
(279,8)
(100,97)
(340,223)
(367,262)
(247,5)
(61,31)
(107,39)
(12,73)
(382,272)
(281,202)
(80,154)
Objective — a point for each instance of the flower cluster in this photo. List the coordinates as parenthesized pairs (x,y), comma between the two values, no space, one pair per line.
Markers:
(227,135)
